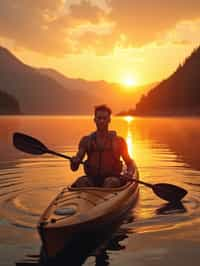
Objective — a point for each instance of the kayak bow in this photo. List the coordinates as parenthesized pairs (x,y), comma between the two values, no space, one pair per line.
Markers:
(83,210)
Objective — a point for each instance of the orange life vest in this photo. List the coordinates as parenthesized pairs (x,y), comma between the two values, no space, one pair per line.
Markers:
(102,162)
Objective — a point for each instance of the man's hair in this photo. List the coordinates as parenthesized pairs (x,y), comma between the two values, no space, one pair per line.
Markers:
(102,107)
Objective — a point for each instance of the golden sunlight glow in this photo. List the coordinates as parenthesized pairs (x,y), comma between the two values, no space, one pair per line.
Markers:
(129,141)
(128,118)
(129,81)
(129,137)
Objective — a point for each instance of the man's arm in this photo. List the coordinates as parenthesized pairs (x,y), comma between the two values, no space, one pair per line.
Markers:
(76,160)
(127,159)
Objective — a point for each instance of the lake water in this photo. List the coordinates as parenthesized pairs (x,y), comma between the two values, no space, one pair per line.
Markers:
(165,150)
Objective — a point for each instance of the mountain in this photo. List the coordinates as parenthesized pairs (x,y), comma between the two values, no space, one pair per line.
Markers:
(38,93)
(8,104)
(113,94)
(177,95)
(46,91)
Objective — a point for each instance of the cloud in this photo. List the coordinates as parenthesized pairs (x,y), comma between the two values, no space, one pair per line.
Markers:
(185,33)
(58,27)
(137,23)
(144,21)
(46,26)
(86,11)
(36,25)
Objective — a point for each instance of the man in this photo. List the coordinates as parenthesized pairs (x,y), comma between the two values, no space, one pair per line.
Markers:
(104,149)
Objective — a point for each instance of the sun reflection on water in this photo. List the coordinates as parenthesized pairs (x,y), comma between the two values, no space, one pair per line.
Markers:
(129,118)
(129,141)
(129,137)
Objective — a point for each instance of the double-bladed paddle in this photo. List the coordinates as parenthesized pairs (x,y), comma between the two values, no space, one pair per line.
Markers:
(31,145)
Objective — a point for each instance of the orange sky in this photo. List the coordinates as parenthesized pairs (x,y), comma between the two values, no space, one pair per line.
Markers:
(111,40)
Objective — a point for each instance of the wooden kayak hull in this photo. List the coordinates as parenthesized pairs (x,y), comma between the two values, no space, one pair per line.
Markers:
(89,210)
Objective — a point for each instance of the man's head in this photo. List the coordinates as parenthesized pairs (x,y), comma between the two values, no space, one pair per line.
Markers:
(102,117)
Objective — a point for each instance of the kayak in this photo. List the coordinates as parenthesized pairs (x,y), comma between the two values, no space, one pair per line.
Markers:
(83,210)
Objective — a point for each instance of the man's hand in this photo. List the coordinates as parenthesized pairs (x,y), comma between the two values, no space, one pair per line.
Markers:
(128,176)
(74,163)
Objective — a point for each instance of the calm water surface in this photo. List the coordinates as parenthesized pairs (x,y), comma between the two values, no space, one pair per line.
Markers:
(165,150)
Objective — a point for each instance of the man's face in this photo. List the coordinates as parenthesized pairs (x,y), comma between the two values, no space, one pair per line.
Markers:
(102,119)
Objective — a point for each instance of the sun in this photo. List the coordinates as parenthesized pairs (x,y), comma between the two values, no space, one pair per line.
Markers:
(129,81)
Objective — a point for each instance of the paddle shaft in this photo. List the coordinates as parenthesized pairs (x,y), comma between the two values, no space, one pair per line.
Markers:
(69,158)
(143,183)
(60,155)
(31,145)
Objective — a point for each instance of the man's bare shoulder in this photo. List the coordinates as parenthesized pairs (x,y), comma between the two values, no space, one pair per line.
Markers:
(84,142)
(120,140)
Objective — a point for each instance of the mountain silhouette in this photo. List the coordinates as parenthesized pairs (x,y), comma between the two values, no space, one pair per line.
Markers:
(177,95)
(113,94)
(8,104)
(46,91)
(38,93)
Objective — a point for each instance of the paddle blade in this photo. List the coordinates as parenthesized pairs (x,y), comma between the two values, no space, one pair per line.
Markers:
(28,144)
(169,192)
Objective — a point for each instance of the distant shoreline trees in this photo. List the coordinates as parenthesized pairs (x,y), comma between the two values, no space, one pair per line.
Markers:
(177,95)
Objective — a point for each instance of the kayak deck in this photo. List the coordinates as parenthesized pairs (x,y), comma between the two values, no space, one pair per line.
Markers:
(88,209)
(77,199)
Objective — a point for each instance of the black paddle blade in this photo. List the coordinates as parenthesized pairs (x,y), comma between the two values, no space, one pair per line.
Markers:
(28,144)
(169,192)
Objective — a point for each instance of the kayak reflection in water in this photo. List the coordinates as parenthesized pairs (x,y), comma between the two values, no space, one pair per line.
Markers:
(104,150)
